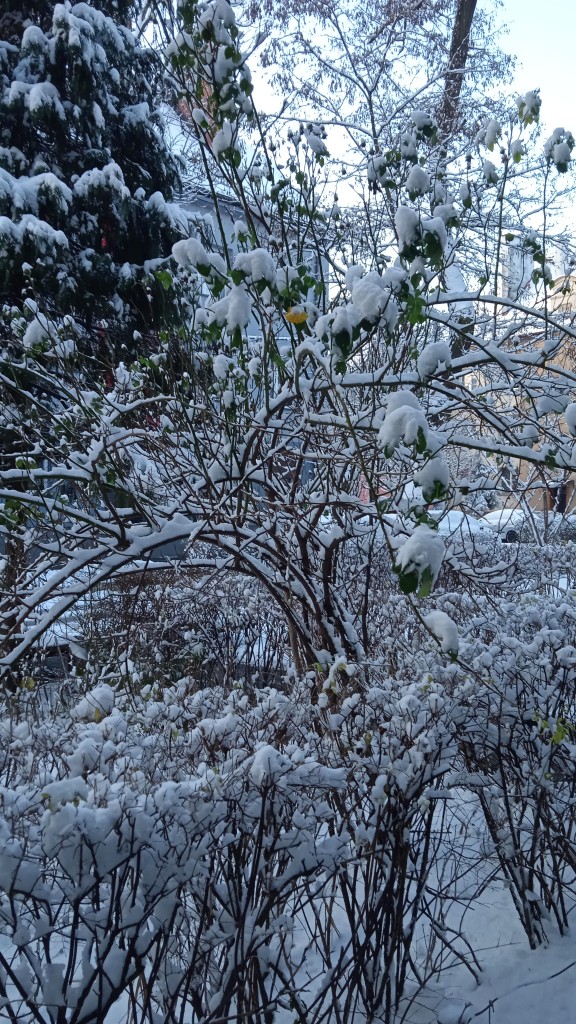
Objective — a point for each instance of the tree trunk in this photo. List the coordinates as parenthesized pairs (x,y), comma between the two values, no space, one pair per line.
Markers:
(459,47)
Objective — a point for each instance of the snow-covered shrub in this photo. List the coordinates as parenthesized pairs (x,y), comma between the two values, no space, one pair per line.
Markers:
(213,843)
(180,840)
(171,623)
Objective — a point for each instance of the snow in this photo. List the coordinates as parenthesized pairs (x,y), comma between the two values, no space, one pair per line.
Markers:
(24,192)
(570,417)
(433,473)
(558,148)
(492,133)
(434,358)
(371,298)
(45,95)
(489,171)
(408,146)
(418,181)
(454,1011)
(215,12)
(316,143)
(394,278)
(157,816)
(421,119)
(191,252)
(446,631)
(424,549)
(435,226)
(234,310)
(33,38)
(258,265)
(353,273)
(110,179)
(269,766)
(222,140)
(407,224)
(151,838)
(446,212)
(223,65)
(404,421)
(531,102)
(561,153)
(343,320)
(65,791)
(98,702)
(517,150)
(221,366)
(400,398)
(33,226)
(551,403)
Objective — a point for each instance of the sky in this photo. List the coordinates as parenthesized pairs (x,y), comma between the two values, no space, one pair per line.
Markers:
(542,38)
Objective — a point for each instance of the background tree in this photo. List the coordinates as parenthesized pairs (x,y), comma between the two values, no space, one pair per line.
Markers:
(458,59)
(342,57)
(86,175)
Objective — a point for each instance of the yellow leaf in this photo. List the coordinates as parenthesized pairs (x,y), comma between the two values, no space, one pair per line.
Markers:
(296,316)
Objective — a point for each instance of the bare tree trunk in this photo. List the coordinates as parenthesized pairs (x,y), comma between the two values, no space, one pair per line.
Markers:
(459,47)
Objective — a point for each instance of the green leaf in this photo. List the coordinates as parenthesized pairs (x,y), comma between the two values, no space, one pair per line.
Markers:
(165,279)
(550,460)
(421,444)
(408,582)
(436,492)
(277,189)
(426,583)
(415,310)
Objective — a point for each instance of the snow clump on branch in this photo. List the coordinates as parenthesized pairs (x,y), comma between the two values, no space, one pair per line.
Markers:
(257,265)
(421,555)
(434,358)
(404,422)
(445,630)
(423,121)
(234,310)
(433,478)
(529,106)
(371,298)
(490,133)
(407,224)
(490,173)
(558,149)
(414,232)
(418,181)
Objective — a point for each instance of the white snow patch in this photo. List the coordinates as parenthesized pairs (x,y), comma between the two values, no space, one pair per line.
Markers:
(418,181)
(424,549)
(434,358)
(445,630)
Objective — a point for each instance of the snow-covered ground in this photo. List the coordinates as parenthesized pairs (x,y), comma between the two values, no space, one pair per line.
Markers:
(517,985)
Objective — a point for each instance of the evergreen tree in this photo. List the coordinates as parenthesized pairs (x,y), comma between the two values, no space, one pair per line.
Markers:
(86,175)
(87,181)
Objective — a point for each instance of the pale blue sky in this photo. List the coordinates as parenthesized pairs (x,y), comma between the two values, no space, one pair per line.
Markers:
(542,36)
